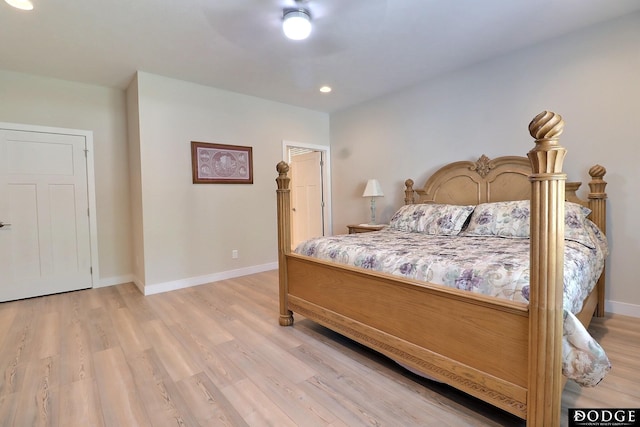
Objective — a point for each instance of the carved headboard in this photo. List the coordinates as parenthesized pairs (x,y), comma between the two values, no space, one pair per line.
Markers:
(482,181)
(472,183)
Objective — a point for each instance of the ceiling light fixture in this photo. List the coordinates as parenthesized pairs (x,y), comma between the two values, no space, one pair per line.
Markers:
(21,4)
(325,89)
(296,23)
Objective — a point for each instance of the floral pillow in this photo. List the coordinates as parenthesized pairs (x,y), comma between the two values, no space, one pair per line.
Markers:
(511,219)
(431,218)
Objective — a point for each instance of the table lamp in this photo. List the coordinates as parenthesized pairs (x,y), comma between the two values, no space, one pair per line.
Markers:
(373,190)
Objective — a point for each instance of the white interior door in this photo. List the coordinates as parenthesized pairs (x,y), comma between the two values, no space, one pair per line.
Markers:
(45,241)
(306,197)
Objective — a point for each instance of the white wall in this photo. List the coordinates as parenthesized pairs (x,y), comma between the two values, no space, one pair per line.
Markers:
(189,230)
(33,100)
(592,78)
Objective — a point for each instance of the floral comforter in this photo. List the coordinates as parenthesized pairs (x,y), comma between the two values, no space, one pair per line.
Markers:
(463,262)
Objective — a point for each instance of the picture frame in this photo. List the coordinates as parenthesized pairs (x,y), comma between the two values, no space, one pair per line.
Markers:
(221,163)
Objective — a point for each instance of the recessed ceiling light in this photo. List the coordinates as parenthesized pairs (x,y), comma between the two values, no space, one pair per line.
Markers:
(21,4)
(325,89)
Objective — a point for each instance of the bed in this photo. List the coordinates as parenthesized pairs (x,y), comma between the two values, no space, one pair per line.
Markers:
(508,353)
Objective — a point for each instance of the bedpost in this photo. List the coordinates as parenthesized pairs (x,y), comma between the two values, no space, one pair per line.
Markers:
(284,240)
(598,205)
(546,276)
(409,194)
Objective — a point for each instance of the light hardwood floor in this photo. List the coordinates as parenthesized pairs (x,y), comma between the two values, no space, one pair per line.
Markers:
(215,355)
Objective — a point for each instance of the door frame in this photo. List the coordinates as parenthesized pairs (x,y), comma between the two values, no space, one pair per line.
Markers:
(326,175)
(91,183)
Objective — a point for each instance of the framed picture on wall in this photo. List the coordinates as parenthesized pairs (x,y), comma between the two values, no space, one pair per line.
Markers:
(221,164)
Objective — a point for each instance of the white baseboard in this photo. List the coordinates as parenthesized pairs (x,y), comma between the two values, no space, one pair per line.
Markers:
(115,280)
(157,288)
(623,308)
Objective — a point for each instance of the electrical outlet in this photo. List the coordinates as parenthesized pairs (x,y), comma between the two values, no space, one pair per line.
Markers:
(234,254)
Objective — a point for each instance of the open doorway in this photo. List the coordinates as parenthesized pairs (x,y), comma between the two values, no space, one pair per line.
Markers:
(310,190)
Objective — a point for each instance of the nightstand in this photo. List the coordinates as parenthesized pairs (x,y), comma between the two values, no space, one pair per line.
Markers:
(364,228)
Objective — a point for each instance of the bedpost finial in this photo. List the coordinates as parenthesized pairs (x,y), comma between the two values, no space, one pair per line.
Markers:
(409,198)
(547,156)
(282,167)
(597,171)
(597,187)
(546,125)
(282,180)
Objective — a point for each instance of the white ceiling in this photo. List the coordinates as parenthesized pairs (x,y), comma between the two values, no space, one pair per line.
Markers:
(362,48)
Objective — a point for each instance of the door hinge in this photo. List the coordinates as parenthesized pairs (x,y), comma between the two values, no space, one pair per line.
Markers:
(85,153)
(91,270)
(88,212)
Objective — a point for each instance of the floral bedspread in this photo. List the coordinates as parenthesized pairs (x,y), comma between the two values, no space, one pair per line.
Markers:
(463,262)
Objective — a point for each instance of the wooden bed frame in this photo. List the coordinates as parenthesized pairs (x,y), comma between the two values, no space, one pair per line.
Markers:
(506,353)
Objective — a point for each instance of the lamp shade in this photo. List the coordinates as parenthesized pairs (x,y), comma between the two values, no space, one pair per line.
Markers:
(296,24)
(373,189)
